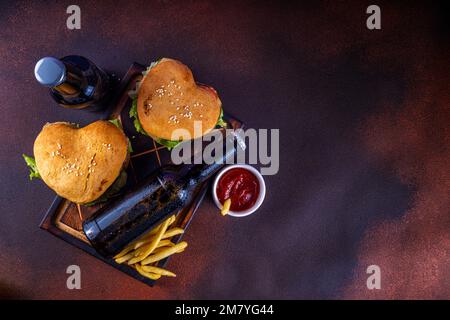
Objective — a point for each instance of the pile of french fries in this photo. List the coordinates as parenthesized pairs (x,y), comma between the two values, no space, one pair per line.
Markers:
(143,254)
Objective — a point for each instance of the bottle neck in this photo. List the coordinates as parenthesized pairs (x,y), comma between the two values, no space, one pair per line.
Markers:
(198,173)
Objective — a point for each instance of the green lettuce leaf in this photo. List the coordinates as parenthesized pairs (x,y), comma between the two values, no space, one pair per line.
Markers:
(169,144)
(31,163)
(134,115)
(133,94)
(117,123)
(113,190)
(221,122)
(130,147)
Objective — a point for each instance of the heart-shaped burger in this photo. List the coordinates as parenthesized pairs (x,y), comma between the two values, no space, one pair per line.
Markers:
(168,98)
(80,164)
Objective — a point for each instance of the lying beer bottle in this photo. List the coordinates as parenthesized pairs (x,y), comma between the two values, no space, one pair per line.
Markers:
(75,82)
(159,196)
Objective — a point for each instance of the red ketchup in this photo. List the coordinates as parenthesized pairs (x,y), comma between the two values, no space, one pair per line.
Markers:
(239,185)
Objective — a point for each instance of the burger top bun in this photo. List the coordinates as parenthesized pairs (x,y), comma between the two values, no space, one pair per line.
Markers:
(80,164)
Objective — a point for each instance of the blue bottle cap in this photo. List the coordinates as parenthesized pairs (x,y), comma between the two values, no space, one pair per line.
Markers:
(50,71)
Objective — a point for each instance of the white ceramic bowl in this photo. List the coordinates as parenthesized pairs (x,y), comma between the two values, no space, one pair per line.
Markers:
(262,190)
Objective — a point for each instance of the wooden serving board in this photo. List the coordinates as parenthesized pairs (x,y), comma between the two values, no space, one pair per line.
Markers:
(64,218)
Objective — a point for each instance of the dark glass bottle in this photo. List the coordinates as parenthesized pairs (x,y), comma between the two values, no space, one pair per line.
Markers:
(75,82)
(159,196)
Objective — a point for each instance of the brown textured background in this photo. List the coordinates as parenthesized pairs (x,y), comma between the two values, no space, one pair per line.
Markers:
(364,123)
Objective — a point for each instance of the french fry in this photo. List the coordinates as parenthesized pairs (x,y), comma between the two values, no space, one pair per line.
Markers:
(124,258)
(172,232)
(140,242)
(153,231)
(132,246)
(165,243)
(226,207)
(147,238)
(144,245)
(157,270)
(149,275)
(157,250)
(152,244)
(138,251)
(162,243)
(123,252)
(164,253)
(172,219)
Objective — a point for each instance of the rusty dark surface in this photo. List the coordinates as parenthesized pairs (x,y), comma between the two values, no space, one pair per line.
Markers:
(364,142)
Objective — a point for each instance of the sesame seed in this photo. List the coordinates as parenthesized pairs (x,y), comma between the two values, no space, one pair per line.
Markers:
(173,119)
(148,105)
(187,114)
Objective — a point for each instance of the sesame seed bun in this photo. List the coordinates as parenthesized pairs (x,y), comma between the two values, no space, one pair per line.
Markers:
(80,164)
(170,99)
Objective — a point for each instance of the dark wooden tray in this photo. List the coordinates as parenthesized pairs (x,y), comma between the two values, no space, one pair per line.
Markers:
(64,219)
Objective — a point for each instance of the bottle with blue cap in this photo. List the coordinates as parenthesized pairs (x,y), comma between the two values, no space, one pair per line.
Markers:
(75,82)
